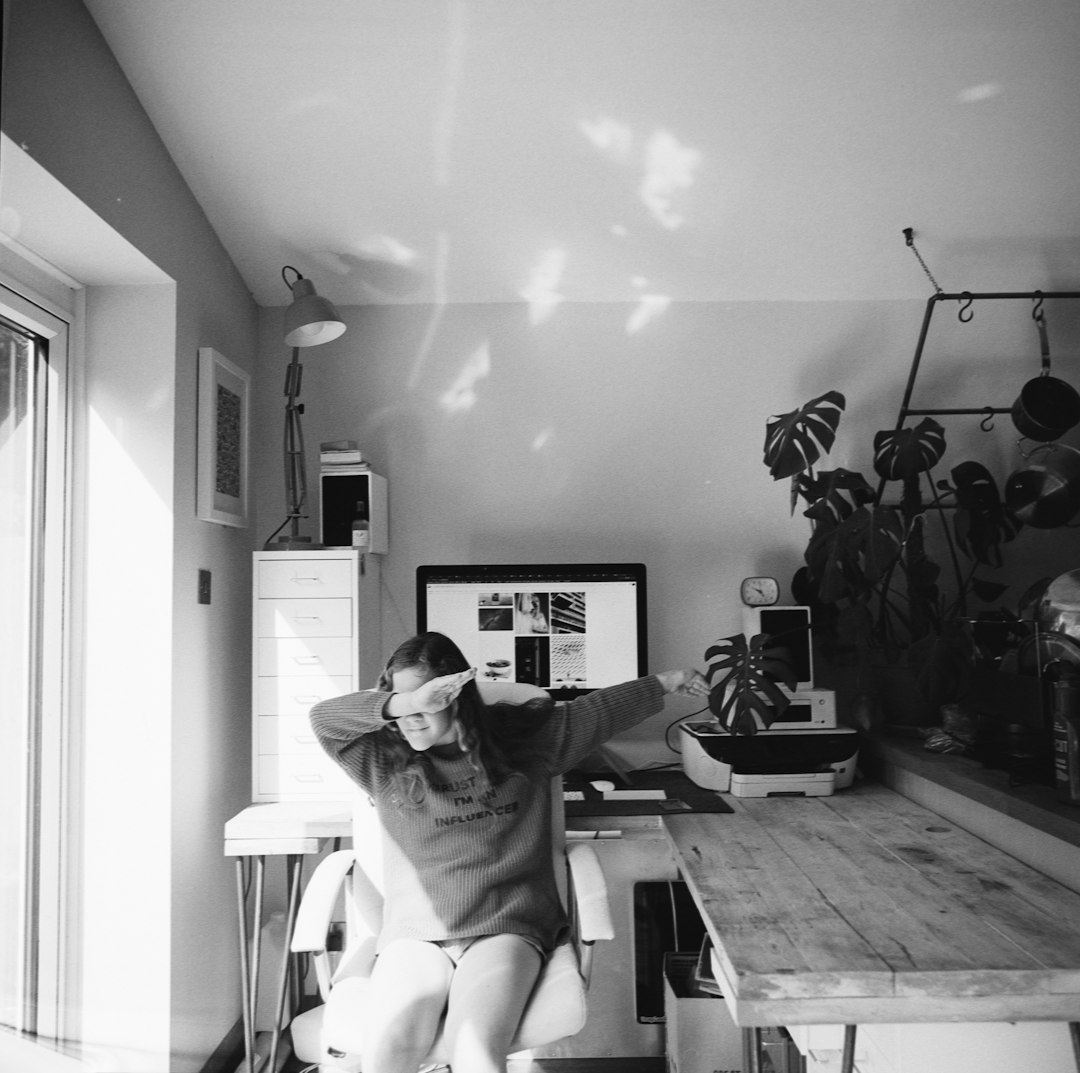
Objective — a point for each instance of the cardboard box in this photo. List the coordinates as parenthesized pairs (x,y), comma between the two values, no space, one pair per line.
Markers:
(701,1036)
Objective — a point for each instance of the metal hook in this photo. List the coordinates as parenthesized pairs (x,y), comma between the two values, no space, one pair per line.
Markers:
(966,308)
(1037,314)
(987,423)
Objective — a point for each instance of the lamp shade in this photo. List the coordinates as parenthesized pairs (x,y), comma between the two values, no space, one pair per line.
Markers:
(310,320)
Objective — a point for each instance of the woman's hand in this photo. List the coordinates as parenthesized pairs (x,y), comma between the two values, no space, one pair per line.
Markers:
(689,683)
(432,696)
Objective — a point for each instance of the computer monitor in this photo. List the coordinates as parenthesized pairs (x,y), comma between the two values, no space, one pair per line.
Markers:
(568,628)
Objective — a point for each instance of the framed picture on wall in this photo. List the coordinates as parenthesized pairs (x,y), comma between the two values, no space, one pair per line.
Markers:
(222,464)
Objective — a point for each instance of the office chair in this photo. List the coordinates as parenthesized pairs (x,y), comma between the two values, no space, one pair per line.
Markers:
(329,1035)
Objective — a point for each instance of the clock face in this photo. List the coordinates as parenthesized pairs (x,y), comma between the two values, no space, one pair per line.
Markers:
(759,591)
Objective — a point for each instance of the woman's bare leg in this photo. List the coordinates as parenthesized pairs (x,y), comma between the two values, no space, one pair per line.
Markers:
(490,987)
(409,987)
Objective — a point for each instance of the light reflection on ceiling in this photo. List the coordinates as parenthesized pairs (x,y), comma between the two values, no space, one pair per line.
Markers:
(730,151)
(982,92)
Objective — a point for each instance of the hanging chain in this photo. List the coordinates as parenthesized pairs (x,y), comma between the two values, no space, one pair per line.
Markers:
(909,235)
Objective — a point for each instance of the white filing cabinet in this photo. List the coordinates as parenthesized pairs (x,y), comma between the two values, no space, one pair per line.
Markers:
(316,634)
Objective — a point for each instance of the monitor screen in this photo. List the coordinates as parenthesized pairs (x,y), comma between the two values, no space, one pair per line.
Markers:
(567,628)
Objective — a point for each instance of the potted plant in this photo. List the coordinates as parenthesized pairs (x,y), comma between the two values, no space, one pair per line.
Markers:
(880,601)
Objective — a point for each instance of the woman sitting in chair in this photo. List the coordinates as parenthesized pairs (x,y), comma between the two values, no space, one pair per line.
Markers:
(462,790)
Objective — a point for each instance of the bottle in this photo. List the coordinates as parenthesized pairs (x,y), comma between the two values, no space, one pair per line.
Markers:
(361,528)
(1065,724)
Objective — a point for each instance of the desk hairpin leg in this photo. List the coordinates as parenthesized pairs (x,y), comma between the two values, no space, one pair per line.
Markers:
(295,866)
(249,954)
(752,1049)
(754,1059)
(847,1062)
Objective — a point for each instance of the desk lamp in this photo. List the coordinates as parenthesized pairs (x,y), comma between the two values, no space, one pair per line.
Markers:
(309,321)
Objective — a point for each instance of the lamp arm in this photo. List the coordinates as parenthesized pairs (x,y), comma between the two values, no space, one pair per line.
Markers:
(295,467)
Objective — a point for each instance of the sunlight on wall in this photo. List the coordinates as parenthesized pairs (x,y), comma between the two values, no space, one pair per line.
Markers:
(542,439)
(541,292)
(128,654)
(668,166)
(438,306)
(669,169)
(648,308)
(462,394)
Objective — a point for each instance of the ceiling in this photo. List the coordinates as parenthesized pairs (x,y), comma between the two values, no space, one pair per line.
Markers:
(643,151)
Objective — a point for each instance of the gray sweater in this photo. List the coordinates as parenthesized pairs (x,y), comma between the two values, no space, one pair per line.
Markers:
(472,859)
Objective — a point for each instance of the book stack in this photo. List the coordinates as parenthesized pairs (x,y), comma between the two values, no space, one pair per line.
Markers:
(342,456)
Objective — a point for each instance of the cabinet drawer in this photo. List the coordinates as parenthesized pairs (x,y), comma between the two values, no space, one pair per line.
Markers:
(289,579)
(294,695)
(303,776)
(304,618)
(305,656)
(287,734)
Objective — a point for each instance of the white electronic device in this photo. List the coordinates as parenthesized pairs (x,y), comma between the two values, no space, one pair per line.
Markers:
(789,628)
(809,709)
(806,784)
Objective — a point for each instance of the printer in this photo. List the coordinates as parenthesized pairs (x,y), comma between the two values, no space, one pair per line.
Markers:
(810,762)
(803,753)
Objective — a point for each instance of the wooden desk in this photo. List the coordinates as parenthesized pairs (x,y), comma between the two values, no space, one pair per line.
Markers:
(865,907)
(291,830)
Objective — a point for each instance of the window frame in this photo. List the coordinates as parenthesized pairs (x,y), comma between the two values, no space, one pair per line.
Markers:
(50,851)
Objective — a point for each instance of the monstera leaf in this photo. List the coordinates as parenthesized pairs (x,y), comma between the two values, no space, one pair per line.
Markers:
(833,495)
(847,560)
(982,522)
(744,681)
(795,441)
(903,453)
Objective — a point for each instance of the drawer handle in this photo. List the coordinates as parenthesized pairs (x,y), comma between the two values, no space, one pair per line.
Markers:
(307,661)
(308,699)
(308,778)
(306,618)
(315,580)
(304,739)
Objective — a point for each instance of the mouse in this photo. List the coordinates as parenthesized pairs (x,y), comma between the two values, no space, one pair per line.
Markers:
(602,785)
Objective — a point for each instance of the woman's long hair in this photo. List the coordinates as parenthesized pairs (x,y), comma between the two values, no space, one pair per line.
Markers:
(494,737)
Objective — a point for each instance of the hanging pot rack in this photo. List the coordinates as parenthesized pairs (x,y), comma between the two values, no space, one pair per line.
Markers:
(965,315)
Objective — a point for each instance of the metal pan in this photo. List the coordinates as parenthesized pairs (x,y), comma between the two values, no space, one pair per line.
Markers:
(1046,407)
(1045,493)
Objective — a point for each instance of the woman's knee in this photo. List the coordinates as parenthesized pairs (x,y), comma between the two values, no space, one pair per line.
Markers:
(408,996)
(491,988)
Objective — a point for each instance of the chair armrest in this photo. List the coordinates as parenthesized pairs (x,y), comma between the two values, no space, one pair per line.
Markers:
(314,916)
(589,891)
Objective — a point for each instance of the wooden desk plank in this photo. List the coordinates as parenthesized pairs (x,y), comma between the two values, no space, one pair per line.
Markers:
(866,904)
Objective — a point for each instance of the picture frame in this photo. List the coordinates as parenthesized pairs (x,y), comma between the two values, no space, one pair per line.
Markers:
(223,433)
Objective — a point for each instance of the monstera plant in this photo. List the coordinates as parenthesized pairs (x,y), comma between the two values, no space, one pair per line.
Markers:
(877,591)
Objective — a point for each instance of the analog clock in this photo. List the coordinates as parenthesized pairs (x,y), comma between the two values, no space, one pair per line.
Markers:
(759,591)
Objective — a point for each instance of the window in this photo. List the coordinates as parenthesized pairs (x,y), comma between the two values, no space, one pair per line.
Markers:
(34,731)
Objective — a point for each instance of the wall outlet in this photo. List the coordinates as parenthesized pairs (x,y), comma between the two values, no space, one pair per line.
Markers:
(204,586)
